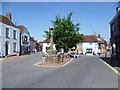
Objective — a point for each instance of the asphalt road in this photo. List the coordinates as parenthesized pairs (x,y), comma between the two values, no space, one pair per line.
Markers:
(83,72)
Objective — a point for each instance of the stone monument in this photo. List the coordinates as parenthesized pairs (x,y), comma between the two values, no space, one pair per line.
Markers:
(51,53)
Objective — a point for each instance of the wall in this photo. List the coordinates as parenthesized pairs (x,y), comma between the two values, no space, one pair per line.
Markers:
(115,37)
(79,47)
(25,33)
(47,45)
(3,39)
(32,45)
(25,47)
(93,45)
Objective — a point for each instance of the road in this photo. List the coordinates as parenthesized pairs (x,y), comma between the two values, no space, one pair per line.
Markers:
(83,72)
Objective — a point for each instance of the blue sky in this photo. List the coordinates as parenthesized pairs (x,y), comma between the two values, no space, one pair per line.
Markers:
(37,16)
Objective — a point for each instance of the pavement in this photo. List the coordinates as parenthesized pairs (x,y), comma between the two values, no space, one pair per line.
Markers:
(12,57)
(115,63)
(112,62)
(83,72)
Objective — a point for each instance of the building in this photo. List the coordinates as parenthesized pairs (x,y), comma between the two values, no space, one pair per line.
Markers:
(9,36)
(88,46)
(46,45)
(24,40)
(115,35)
(102,44)
(32,45)
(39,46)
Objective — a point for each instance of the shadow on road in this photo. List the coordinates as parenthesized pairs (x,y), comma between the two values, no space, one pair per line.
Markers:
(112,62)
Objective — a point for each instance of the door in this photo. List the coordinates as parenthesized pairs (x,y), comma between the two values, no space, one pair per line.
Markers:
(6,48)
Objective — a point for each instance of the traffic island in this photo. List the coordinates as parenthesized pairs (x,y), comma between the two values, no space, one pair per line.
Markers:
(61,63)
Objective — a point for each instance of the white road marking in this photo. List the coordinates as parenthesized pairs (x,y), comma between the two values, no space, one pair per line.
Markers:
(117,72)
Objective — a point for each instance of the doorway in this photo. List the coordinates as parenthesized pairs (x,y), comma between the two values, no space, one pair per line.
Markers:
(89,51)
(6,48)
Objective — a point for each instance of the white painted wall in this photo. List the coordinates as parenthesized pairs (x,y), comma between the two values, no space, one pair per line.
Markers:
(47,45)
(3,39)
(93,45)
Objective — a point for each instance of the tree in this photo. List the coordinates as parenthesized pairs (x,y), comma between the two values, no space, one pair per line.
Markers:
(66,33)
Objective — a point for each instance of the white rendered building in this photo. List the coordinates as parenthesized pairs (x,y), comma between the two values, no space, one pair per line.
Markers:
(9,36)
(46,46)
(89,46)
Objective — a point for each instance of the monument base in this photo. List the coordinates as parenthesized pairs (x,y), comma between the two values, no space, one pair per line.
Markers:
(53,58)
(52,52)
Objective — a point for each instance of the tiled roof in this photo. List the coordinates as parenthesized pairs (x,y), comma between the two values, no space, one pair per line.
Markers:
(21,27)
(87,38)
(5,20)
(32,39)
(46,40)
(90,38)
(40,43)
(100,41)
(115,17)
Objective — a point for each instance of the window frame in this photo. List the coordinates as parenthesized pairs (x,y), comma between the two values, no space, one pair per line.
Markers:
(14,47)
(14,34)
(7,33)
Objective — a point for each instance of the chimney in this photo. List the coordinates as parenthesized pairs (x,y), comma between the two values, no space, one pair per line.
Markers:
(8,15)
(118,8)
(99,36)
(94,33)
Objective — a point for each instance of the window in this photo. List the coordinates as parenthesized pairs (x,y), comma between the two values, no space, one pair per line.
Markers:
(25,38)
(47,43)
(114,49)
(113,28)
(89,50)
(0,30)
(14,47)
(14,34)
(90,43)
(7,32)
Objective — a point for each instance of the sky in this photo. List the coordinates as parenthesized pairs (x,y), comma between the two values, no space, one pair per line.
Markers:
(36,16)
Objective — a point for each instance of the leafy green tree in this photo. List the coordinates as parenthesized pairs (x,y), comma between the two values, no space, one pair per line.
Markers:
(66,33)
